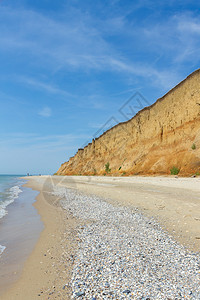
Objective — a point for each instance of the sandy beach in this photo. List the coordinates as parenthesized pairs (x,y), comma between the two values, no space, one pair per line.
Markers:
(173,202)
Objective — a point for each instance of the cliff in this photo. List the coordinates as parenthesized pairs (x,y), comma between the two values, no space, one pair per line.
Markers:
(160,136)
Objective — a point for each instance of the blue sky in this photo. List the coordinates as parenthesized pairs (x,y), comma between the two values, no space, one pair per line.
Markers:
(67,67)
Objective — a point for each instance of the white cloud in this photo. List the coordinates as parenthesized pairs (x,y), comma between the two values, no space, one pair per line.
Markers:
(45,112)
(188,25)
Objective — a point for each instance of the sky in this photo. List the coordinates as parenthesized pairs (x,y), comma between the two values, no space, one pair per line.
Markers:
(69,70)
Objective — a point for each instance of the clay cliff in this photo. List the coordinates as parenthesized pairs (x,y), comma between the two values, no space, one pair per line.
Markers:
(158,138)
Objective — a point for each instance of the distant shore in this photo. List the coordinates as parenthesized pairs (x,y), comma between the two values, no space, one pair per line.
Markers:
(173,202)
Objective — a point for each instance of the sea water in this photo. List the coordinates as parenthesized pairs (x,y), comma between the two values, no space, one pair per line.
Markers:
(10,188)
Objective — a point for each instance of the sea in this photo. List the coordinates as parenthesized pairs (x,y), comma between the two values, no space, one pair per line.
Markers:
(10,189)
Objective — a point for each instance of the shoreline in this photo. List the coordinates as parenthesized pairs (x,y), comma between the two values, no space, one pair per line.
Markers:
(19,232)
(47,271)
(42,274)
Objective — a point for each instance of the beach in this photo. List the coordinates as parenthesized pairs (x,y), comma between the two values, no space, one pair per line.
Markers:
(100,150)
(99,227)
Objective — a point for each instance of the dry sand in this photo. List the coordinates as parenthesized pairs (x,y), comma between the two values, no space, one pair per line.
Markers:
(174,202)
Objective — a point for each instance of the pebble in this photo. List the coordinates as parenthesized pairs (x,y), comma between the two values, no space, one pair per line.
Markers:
(79,294)
(126,292)
(123,254)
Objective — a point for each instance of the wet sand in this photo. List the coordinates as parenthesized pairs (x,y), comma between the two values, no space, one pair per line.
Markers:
(19,232)
(174,202)
(47,270)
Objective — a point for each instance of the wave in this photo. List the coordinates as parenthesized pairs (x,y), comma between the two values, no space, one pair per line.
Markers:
(9,197)
(2,248)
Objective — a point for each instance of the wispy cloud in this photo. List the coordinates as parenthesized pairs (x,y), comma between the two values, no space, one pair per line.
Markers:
(33,141)
(177,38)
(45,112)
(188,24)
(56,43)
(164,78)
(74,45)
(44,86)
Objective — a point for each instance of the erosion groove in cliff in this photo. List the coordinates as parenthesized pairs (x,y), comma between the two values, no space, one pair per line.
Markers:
(152,142)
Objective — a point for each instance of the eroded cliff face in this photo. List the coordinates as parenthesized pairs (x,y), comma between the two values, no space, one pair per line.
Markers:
(152,142)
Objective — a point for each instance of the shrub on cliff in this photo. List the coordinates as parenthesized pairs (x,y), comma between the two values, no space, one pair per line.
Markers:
(193,146)
(174,171)
(107,167)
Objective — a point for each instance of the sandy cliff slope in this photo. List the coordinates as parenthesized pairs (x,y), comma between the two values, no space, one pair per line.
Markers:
(159,137)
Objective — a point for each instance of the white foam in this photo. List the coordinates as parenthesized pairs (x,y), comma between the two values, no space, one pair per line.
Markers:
(15,191)
(13,194)
(2,248)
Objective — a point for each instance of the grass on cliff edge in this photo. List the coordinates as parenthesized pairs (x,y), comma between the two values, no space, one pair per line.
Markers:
(174,171)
